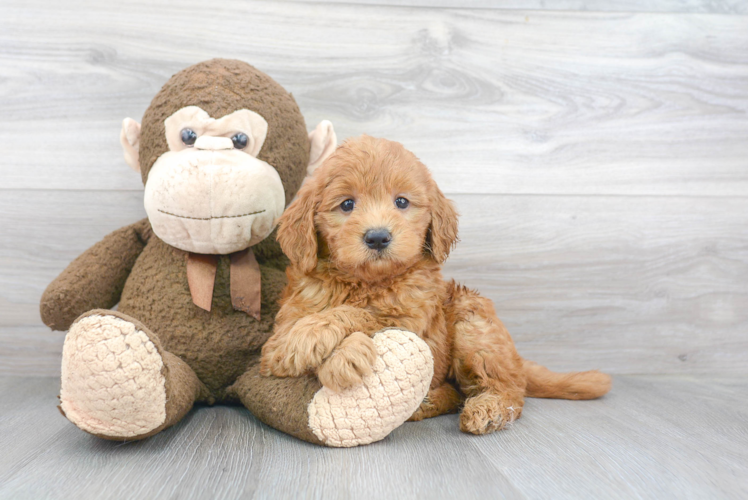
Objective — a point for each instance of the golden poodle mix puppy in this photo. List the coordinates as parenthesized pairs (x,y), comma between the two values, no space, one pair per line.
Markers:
(366,237)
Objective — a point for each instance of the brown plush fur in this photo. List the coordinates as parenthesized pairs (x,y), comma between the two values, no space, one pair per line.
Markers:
(131,266)
(220,87)
(340,291)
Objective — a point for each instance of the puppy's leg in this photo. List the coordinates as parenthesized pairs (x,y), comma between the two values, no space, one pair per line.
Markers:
(486,365)
(443,399)
(303,346)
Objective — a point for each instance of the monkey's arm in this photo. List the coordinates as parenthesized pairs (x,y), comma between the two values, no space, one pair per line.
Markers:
(96,278)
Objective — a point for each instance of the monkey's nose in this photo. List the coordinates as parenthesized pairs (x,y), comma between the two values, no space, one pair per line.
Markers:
(207,142)
(377,239)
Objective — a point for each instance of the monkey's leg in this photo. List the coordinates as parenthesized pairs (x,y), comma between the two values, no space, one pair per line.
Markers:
(300,406)
(486,365)
(444,399)
(119,383)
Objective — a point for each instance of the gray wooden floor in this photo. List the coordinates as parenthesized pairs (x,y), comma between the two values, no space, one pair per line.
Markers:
(652,437)
(596,149)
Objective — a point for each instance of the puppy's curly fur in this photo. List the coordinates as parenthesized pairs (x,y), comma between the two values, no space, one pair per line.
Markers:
(341,291)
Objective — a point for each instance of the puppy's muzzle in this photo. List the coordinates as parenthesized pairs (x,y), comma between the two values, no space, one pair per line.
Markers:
(377,239)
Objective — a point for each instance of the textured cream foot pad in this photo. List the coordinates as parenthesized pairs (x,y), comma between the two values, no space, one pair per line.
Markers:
(112,383)
(387,398)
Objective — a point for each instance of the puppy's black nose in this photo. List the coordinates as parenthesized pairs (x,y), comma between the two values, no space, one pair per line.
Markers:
(377,239)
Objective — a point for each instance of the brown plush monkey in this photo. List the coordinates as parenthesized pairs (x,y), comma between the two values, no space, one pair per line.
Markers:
(222,150)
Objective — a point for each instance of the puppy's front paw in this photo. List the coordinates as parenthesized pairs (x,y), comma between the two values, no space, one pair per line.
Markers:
(272,355)
(266,361)
(349,363)
(303,349)
(282,359)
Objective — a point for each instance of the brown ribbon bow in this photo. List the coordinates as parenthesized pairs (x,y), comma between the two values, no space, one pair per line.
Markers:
(245,281)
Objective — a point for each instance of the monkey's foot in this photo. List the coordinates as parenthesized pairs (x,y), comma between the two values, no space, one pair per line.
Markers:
(113,378)
(366,413)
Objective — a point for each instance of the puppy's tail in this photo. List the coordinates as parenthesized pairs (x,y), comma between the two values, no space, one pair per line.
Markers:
(543,383)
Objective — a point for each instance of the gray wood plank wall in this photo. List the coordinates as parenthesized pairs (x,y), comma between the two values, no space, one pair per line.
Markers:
(599,158)
(693,6)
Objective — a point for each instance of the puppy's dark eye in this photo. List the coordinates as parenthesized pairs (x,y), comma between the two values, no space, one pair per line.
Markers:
(347,205)
(402,202)
(189,136)
(240,140)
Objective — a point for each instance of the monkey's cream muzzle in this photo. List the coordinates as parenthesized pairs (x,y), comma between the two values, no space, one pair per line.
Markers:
(212,198)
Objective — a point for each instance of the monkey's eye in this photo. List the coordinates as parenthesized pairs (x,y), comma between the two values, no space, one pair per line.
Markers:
(402,202)
(240,140)
(347,205)
(188,136)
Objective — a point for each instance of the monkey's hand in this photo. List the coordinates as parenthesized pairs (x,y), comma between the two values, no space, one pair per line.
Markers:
(95,279)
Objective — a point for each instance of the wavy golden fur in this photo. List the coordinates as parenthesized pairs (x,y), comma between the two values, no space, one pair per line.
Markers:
(341,291)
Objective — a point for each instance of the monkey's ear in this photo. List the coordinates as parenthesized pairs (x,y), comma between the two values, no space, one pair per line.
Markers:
(130,140)
(323,143)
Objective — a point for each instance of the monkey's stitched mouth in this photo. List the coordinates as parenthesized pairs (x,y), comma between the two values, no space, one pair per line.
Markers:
(210,218)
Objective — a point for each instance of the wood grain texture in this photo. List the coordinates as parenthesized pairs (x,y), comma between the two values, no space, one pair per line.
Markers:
(683,6)
(615,163)
(652,437)
(600,164)
(628,284)
(625,284)
(42,232)
(494,101)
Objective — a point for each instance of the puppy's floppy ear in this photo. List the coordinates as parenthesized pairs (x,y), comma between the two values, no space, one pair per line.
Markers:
(442,232)
(296,232)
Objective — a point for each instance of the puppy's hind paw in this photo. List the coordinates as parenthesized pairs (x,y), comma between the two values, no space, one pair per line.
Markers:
(443,399)
(486,413)
(349,363)
(426,410)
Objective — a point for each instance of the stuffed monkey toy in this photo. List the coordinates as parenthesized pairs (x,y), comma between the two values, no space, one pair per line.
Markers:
(222,150)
